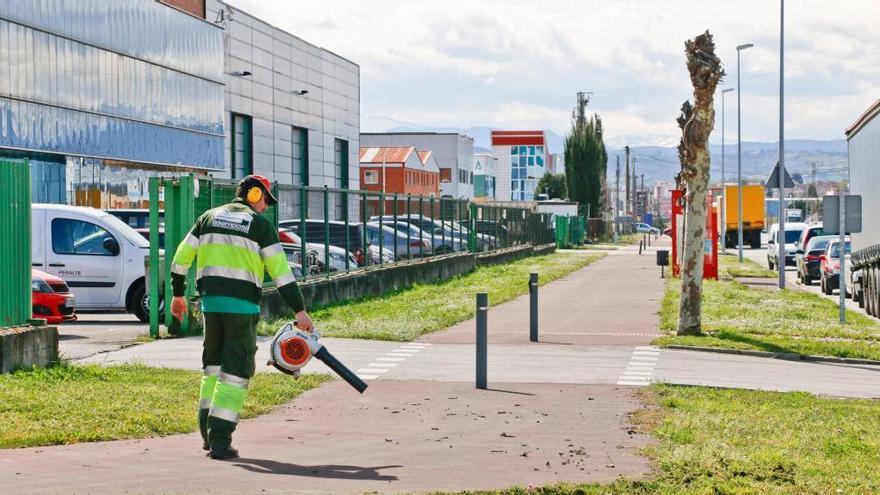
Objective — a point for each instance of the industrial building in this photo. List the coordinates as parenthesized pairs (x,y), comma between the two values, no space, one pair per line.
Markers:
(523,158)
(484,176)
(401,171)
(164,88)
(453,152)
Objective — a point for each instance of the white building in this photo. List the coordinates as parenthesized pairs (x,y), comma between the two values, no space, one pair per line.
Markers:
(292,108)
(485,166)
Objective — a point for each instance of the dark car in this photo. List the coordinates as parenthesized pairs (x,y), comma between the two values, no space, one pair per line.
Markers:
(335,232)
(809,259)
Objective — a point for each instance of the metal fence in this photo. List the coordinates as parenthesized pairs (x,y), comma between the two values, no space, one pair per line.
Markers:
(15,248)
(570,231)
(346,230)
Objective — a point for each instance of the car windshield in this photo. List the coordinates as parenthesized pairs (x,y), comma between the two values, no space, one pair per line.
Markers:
(835,250)
(126,230)
(818,244)
(792,236)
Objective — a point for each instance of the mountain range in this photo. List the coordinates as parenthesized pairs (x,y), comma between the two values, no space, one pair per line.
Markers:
(656,156)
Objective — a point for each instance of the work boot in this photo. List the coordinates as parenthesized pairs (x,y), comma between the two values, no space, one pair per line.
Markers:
(205,445)
(229,453)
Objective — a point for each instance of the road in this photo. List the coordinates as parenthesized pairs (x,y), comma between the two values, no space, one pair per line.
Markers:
(791,280)
(95,333)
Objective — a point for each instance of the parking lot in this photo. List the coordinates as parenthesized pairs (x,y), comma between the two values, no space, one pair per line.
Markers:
(95,333)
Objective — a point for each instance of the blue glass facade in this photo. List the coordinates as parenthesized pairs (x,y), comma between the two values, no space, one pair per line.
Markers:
(124,80)
(526,168)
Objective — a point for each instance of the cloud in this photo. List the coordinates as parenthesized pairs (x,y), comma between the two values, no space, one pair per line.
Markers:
(517,63)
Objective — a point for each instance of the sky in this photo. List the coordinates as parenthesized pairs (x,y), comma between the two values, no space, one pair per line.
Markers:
(518,64)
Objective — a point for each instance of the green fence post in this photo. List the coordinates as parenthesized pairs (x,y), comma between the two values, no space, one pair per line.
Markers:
(472,234)
(171,242)
(303,213)
(367,255)
(15,248)
(154,257)
(347,233)
(408,220)
(394,226)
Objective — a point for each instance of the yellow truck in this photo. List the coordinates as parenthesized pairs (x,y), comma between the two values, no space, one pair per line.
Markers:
(753,215)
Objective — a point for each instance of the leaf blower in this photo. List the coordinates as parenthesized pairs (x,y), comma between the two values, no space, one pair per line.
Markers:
(292,349)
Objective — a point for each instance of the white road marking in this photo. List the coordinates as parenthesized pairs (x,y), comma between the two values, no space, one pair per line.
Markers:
(641,366)
(391,359)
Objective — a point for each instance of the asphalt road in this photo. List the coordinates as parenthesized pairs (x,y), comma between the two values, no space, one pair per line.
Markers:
(95,333)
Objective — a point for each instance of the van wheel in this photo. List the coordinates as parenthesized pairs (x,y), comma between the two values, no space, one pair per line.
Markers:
(140,304)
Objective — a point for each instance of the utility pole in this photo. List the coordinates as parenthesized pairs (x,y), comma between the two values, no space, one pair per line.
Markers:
(626,207)
(780,258)
(643,182)
(634,187)
(617,201)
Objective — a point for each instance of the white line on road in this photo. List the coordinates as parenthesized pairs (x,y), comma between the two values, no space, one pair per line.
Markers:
(391,359)
(641,366)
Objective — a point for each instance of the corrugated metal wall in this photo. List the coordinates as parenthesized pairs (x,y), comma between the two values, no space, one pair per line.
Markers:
(864,176)
(15,243)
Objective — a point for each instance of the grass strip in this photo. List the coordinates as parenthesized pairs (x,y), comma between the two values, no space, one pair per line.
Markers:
(68,404)
(406,314)
(723,441)
(739,317)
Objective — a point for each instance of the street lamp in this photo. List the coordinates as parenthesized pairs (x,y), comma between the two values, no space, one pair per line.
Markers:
(723,178)
(739,184)
(781,238)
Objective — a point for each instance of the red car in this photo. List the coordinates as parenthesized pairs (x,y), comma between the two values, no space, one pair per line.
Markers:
(51,298)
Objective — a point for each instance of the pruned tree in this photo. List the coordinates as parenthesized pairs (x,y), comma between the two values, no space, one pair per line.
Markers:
(696,122)
(554,186)
(585,159)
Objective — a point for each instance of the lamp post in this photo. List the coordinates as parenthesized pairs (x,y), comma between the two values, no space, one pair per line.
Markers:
(781,239)
(739,186)
(723,226)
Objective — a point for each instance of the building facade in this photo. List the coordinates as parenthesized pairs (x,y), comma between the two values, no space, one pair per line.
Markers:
(484,175)
(97,111)
(863,143)
(453,152)
(292,109)
(399,171)
(523,157)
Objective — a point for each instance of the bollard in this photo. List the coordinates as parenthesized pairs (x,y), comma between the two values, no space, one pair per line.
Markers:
(649,240)
(482,337)
(640,248)
(533,307)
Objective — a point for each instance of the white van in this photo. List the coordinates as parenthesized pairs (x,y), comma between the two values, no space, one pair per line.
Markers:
(99,256)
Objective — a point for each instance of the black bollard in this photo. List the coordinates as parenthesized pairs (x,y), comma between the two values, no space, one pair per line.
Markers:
(533,307)
(482,338)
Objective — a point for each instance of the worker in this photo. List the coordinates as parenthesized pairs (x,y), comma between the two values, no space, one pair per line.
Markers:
(234,246)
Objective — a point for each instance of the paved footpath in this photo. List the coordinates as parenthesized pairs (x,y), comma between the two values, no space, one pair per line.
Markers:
(556,411)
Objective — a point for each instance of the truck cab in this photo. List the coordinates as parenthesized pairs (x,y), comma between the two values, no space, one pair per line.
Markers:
(100,256)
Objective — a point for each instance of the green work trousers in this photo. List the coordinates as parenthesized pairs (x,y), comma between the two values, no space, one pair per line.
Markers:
(228,360)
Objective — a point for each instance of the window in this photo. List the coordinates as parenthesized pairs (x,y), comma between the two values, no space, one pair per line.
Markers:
(78,237)
(340,153)
(371,177)
(242,146)
(539,160)
(514,150)
(531,150)
(522,150)
(539,150)
(514,173)
(445,175)
(300,153)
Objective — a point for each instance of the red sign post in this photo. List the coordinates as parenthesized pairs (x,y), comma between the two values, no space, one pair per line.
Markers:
(710,250)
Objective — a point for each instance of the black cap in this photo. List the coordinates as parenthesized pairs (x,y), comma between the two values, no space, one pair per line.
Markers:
(258,181)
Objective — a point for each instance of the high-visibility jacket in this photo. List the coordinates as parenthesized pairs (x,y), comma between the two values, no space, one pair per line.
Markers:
(233,247)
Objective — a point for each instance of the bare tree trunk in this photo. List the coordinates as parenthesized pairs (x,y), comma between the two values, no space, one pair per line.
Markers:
(696,123)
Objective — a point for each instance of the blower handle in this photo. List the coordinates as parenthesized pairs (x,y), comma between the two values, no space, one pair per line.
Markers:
(346,374)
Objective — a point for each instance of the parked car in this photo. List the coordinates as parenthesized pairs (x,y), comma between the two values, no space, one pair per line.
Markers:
(336,257)
(51,299)
(808,259)
(335,232)
(830,266)
(446,239)
(101,257)
(812,230)
(414,233)
(793,233)
(667,231)
(387,238)
(643,228)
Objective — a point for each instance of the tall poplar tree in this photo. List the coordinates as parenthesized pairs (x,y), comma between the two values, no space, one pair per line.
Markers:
(585,160)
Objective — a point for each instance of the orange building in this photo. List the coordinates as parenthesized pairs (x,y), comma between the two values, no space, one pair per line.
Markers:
(402,170)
